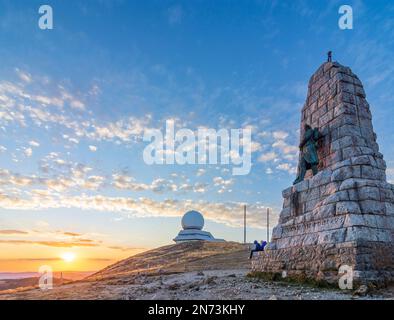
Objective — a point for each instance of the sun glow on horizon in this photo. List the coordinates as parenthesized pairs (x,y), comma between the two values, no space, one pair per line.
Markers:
(68,256)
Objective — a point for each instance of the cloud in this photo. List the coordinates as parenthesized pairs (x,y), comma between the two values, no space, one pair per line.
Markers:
(76,104)
(59,238)
(22,105)
(95,90)
(42,230)
(73,140)
(31,259)
(269,156)
(227,213)
(201,172)
(24,76)
(72,234)
(50,243)
(223,184)
(122,248)
(287,167)
(162,185)
(126,130)
(284,147)
(75,177)
(280,135)
(128,183)
(28,152)
(279,151)
(12,232)
(93,182)
(34,143)
(64,176)
(93,148)
(8,178)
(255,146)
(59,179)
(158,185)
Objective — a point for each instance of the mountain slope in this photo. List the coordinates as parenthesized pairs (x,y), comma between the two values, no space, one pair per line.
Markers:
(182,257)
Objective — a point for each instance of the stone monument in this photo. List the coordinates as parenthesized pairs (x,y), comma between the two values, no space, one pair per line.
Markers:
(344,214)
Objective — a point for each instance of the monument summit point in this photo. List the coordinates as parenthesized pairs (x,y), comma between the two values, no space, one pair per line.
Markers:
(340,210)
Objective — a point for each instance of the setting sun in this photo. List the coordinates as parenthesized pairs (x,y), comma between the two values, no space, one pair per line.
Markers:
(68,257)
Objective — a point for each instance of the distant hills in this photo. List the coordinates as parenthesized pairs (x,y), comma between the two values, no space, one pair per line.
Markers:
(28,280)
(25,283)
(71,275)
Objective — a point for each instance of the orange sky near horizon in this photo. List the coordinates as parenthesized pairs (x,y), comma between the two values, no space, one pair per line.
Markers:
(29,255)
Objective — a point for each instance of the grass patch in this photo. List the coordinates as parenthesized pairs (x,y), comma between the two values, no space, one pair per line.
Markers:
(291,279)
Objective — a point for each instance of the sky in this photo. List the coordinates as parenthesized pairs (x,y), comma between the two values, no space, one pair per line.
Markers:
(75,102)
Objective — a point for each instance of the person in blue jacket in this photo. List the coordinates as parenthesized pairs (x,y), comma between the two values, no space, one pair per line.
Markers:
(257,247)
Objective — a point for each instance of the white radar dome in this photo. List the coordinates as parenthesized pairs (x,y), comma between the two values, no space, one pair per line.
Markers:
(192,220)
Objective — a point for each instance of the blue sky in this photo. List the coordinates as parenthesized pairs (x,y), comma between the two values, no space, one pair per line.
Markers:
(75,101)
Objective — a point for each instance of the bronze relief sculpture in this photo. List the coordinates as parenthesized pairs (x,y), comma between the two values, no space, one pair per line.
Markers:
(308,153)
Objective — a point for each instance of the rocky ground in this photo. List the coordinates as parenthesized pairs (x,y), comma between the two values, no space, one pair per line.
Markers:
(187,271)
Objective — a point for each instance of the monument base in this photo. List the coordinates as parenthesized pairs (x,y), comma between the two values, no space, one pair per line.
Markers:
(321,263)
(340,217)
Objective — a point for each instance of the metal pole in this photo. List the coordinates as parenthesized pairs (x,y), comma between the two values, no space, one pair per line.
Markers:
(245,223)
(268,225)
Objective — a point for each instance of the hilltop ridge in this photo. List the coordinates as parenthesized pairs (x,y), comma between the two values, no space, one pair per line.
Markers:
(181,257)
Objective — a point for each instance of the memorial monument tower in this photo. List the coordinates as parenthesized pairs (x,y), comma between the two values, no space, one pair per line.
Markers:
(341,212)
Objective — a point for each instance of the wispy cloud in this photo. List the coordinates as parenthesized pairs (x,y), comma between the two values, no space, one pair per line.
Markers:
(50,243)
(227,213)
(12,232)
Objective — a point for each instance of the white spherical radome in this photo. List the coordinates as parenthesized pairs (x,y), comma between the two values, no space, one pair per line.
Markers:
(192,220)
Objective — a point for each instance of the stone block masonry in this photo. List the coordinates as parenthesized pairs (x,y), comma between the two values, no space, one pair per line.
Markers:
(344,215)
